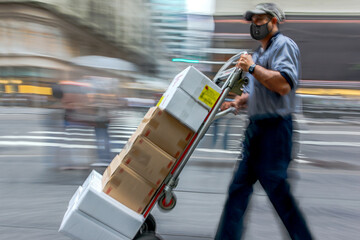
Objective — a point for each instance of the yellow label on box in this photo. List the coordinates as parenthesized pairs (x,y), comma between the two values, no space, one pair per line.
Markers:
(209,96)
(158,104)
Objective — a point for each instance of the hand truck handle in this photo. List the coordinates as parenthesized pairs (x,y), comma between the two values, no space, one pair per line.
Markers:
(225,112)
(232,60)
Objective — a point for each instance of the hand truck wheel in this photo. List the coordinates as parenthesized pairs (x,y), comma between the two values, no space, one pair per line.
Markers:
(149,226)
(165,204)
(148,236)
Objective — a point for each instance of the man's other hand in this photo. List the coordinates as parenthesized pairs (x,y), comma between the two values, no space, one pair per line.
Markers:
(225,105)
(239,102)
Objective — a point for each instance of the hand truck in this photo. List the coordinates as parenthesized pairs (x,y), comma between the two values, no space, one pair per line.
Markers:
(230,80)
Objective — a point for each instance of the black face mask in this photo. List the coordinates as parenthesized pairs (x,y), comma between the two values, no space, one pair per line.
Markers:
(259,32)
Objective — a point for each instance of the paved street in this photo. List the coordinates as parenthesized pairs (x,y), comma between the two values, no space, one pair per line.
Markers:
(325,176)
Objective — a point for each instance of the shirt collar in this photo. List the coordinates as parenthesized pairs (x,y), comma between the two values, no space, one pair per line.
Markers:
(272,39)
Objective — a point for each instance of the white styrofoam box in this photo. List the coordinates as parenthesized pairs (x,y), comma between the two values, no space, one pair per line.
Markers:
(78,225)
(95,203)
(93,178)
(198,86)
(75,197)
(183,107)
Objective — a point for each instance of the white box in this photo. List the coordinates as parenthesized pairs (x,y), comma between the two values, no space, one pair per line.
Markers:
(75,197)
(198,86)
(97,204)
(180,105)
(78,225)
(93,215)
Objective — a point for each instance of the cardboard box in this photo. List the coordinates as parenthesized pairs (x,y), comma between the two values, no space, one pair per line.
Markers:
(95,203)
(165,131)
(144,158)
(198,86)
(127,187)
(183,107)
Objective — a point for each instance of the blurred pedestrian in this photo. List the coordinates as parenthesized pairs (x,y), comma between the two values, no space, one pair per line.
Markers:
(224,125)
(102,102)
(227,127)
(102,121)
(77,116)
(273,71)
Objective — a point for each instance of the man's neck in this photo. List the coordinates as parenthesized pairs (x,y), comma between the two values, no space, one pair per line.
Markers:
(265,42)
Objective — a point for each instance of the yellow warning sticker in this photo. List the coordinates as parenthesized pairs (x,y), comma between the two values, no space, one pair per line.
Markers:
(209,96)
(158,104)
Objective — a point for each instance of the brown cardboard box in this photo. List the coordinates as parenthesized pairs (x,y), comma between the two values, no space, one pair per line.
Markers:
(128,188)
(165,131)
(146,159)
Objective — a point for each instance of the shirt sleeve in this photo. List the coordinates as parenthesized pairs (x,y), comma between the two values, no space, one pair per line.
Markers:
(286,60)
(247,87)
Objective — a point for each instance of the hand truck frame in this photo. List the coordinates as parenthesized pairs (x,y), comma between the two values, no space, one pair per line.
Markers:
(164,196)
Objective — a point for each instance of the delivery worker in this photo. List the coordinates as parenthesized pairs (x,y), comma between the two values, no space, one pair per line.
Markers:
(273,71)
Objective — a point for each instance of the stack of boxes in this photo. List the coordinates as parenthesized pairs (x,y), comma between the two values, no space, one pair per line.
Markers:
(136,173)
(146,159)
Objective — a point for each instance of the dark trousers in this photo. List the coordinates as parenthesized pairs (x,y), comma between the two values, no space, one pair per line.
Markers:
(266,157)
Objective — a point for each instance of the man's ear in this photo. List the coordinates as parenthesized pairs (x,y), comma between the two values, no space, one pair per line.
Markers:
(274,21)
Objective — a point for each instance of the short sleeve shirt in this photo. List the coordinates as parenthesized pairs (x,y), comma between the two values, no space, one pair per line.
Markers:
(283,55)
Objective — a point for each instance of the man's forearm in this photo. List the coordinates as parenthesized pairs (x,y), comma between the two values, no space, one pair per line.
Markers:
(272,80)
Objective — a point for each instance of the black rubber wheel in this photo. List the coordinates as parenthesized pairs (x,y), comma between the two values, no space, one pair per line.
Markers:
(148,236)
(149,226)
(167,206)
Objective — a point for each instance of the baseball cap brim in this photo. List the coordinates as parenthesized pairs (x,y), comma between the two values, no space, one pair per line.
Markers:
(248,15)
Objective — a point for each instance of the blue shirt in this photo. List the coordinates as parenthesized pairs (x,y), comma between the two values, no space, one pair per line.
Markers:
(283,55)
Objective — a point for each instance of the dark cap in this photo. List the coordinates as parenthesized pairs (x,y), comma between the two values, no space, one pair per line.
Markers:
(266,8)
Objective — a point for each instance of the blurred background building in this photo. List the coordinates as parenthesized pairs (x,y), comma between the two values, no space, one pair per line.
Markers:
(185,35)
(44,42)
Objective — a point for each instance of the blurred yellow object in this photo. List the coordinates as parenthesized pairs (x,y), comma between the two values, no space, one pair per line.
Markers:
(9,89)
(329,92)
(35,90)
